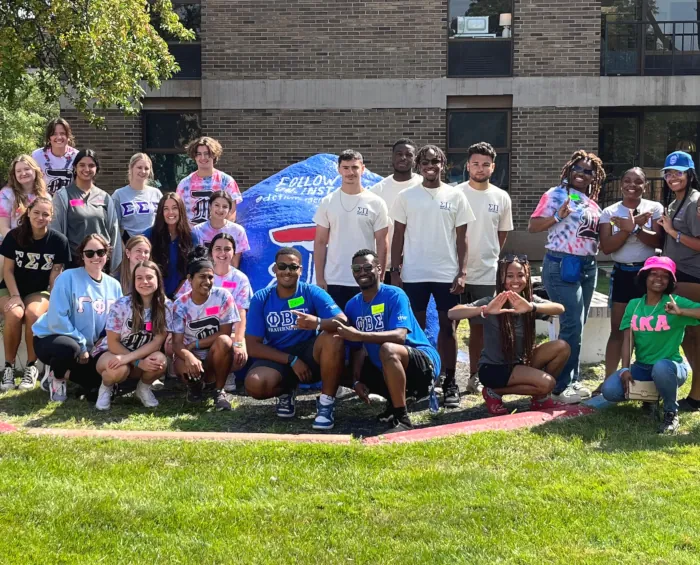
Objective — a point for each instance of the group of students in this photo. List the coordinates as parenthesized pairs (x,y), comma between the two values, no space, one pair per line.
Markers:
(380,255)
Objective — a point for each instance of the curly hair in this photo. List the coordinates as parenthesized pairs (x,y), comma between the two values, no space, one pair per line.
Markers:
(598,172)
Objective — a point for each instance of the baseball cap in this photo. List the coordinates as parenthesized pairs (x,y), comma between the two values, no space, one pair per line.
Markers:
(679,161)
(665,263)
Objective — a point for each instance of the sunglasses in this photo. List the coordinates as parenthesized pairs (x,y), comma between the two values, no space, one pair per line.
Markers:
(283,267)
(362,268)
(426,162)
(580,169)
(510,257)
(90,253)
(672,173)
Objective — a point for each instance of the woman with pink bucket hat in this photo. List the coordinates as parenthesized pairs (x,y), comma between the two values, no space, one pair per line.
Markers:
(654,326)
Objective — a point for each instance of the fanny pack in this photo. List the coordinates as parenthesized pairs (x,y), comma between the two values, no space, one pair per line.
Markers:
(571,267)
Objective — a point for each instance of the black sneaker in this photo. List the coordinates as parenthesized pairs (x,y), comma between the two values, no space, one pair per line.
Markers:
(194,391)
(386,417)
(402,425)
(451,392)
(221,401)
(670,423)
(689,405)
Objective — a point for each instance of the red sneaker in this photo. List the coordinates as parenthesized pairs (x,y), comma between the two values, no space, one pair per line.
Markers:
(494,403)
(545,403)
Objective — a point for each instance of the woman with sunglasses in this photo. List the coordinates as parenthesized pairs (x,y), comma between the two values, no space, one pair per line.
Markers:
(77,315)
(570,215)
(681,225)
(628,234)
(510,362)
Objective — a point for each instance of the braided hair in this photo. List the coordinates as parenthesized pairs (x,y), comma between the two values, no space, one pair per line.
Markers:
(422,152)
(507,321)
(598,173)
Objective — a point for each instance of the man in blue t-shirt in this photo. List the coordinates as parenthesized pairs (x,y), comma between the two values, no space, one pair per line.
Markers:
(397,357)
(289,333)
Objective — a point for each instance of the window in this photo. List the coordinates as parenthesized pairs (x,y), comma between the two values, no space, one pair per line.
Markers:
(165,135)
(479,38)
(467,127)
(188,54)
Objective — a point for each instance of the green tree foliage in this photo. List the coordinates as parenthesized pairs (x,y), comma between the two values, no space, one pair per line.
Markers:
(96,53)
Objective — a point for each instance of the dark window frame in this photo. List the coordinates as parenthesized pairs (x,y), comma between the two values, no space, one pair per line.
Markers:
(196,45)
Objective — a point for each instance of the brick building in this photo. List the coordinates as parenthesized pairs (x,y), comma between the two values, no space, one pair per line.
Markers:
(277,82)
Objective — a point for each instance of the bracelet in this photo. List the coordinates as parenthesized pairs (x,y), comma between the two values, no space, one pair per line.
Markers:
(534,307)
(238,344)
(318,324)
(294,360)
(355,384)
(556,217)
(196,344)
(678,237)
(483,312)
(624,369)
(136,363)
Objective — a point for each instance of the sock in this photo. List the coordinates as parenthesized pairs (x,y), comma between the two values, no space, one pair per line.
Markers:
(400,412)
(8,364)
(449,376)
(326,400)
(492,394)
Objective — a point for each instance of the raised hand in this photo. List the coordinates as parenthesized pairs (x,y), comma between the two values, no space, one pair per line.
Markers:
(564,209)
(518,303)
(305,321)
(495,307)
(671,307)
(348,333)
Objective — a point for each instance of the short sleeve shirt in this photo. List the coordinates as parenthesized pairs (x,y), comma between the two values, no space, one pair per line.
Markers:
(577,234)
(58,171)
(9,207)
(136,209)
(687,222)
(204,233)
(633,250)
(270,317)
(235,282)
(195,192)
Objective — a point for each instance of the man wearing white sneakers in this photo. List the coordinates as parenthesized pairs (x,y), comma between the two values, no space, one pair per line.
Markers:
(486,236)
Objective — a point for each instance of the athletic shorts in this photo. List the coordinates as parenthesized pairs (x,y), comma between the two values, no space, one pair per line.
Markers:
(685,278)
(495,376)
(342,294)
(419,295)
(474,292)
(623,283)
(420,374)
(305,352)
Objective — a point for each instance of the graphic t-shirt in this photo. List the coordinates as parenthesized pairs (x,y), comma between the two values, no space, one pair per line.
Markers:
(10,208)
(270,317)
(389,309)
(633,250)
(234,281)
(492,210)
(687,221)
(205,232)
(657,334)
(576,234)
(58,171)
(200,321)
(136,209)
(431,216)
(119,320)
(33,264)
(196,190)
(353,220)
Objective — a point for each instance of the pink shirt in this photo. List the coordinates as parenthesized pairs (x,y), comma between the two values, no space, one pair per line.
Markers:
(205,232)
(234,281)
(195,192)
(9,208)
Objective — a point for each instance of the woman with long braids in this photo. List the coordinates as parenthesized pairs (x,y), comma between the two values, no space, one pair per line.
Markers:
(171,240)
(570,214)
(510,362)
(682,227)
(56,157)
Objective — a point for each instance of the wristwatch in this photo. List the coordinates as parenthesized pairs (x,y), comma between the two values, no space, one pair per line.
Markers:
(636,229)
(394,270)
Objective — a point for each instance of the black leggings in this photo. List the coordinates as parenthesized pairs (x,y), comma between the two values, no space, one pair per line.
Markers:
(61,352)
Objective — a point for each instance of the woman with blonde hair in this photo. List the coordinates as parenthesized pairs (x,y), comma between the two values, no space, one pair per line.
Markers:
(25,183)
(56,157)
(137,249)
(137,202)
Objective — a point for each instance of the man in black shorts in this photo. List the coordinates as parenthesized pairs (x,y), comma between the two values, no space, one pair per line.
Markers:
(397,357)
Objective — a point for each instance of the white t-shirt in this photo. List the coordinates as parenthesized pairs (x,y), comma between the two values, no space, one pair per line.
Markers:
(431,216)
(58,171)
(492,208)
(353,220)
(633,250)
(388,189)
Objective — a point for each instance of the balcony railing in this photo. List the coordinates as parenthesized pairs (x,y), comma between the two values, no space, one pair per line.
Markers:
(650,48)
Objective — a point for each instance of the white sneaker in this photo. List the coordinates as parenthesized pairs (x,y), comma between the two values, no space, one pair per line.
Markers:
(57,389)
(28,382)
(104,397)
(8,379)
(145,395)
(567,396)
(474,385)
(584,392)
(230,385)
(157,385)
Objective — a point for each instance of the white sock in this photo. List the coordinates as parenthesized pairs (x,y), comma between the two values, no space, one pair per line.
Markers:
(327,400)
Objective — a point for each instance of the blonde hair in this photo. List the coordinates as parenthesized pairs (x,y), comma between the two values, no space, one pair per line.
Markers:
(208,142)
(39,189)
(126,275)
(135,158)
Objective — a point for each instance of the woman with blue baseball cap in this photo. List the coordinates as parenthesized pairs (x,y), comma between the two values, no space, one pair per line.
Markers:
(681,222)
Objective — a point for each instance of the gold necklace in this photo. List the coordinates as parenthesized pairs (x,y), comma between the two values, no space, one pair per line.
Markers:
(341,201)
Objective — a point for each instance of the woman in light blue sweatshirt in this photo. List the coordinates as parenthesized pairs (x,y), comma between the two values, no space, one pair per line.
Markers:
(76,318)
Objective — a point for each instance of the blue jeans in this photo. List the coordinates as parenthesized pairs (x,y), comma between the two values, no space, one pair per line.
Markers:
(576,299)
(668,376)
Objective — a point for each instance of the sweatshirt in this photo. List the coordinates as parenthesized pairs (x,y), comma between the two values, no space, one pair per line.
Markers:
(78,307)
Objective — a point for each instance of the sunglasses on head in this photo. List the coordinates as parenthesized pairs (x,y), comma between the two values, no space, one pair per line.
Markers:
(510,257)
(580,169)
(284,266)
(90,253)
(366,268)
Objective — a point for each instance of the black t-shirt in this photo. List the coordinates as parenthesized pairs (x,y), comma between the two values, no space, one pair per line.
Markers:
(33,264)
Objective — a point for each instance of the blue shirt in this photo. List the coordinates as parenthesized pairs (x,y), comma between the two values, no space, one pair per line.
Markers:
(171,278)
(390,309)
(270,316)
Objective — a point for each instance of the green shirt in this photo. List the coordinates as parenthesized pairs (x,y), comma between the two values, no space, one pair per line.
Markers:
(657,334)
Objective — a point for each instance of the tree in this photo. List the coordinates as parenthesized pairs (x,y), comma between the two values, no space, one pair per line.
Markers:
(96,53)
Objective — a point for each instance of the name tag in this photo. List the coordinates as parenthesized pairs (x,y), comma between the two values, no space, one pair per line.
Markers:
(296,302)
(377,309)
(230,284)
(149,326)
(212,311)
(77,202)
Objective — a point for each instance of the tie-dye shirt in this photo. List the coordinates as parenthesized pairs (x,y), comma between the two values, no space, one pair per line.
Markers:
(200,321)
(205,232)
(196,190)
(9,208)
(235,282)
(119,320)
(576,234)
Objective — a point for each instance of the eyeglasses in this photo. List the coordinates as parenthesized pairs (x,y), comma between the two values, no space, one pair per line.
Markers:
(90,253)
(510,257)
(283,267)
(366,268)
(580,169)
(426,162)
(672,173)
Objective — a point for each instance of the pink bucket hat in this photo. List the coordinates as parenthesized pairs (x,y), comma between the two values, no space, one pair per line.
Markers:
(665,263)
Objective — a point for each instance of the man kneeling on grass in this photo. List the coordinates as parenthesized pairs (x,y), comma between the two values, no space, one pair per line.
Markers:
(397,357)
(289,333)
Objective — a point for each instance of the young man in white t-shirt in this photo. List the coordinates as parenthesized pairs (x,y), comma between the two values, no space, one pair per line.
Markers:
(430,236)
(348,219)
(486,236)
(403,156)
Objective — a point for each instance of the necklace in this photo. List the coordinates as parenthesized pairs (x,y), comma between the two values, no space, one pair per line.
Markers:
(427,191)
(644,302)
(354,206)
(68,157)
